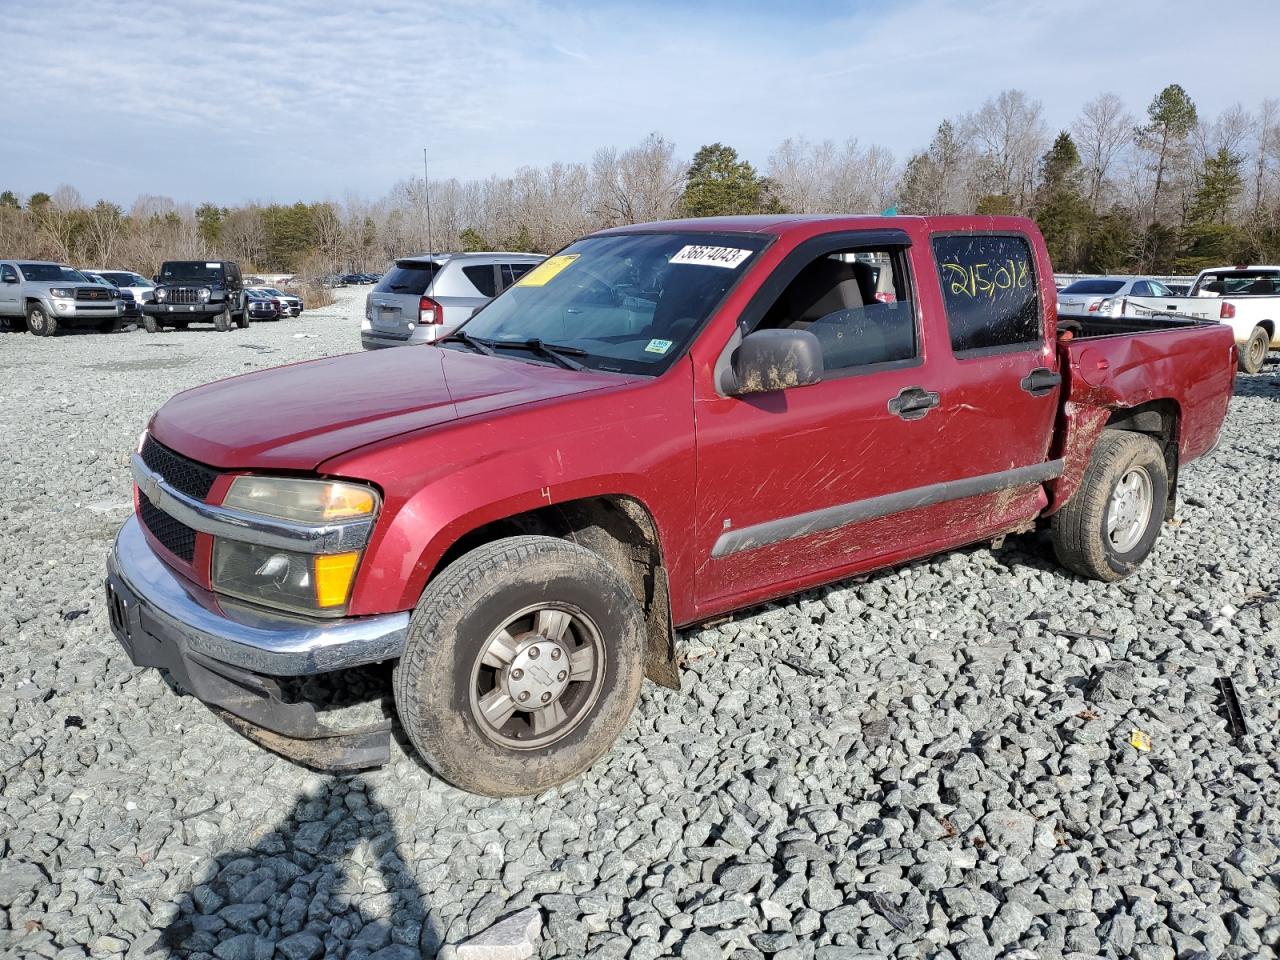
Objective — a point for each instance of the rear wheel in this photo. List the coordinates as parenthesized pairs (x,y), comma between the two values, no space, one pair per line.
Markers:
(1108,527)
(1254,353)
(242,318)
(39,322)
(222,322)
(523,664)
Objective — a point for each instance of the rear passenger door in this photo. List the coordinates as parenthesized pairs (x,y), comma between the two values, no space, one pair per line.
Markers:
(9,290)
(1002,372)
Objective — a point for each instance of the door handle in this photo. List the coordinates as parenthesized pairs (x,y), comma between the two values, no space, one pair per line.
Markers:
(912,403)
(1040,381)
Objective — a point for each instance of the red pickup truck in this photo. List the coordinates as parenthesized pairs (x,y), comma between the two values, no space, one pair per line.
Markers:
(659,425)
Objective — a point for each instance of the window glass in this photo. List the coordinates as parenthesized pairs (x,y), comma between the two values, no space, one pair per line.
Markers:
(51,271)
(1103,287)
(511,272)
(482,278)
(1160,290)
(989,289)
(628,302)
(857,302)
(408,276)
(1142,289)
(8,273)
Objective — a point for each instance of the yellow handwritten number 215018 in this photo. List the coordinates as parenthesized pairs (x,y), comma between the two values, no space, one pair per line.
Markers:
(987,279)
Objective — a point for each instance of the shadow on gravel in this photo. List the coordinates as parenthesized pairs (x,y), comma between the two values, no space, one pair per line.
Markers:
(1264,384)
(326,880)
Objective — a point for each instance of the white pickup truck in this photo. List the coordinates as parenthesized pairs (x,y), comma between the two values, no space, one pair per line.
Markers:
(1246,298)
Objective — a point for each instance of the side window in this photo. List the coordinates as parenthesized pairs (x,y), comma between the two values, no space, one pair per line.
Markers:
(1143,289)
(1160,290)
(857,302)
(511,272)
(233,271)
(8,273)
(989,289)
(482,278)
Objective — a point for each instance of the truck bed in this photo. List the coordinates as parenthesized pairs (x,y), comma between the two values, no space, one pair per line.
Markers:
(1091,326)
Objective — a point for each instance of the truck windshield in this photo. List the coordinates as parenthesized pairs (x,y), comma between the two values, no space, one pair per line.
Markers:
(191,270)
(1238,283)
(1103,287)
(629,302)
(51,271)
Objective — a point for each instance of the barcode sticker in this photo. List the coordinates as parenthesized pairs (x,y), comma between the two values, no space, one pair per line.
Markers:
(728,257)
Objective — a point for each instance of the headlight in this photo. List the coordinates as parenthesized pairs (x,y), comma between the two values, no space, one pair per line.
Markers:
(161,294)
(306,501)
(305,583)
(301,582)
(204,294)
(62,293)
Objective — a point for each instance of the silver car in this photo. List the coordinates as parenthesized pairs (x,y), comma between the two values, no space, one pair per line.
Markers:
(1087,293)
(423,299)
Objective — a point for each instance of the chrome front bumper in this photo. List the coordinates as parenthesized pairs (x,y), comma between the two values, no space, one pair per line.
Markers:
(152,602)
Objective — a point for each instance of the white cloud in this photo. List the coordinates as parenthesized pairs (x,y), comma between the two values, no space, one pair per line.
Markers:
(234,100)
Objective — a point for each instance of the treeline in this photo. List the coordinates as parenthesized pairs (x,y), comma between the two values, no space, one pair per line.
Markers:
(1168,191)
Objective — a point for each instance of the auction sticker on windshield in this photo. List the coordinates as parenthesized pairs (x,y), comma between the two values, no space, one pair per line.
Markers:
(546,271)
(658,346)
(728,257)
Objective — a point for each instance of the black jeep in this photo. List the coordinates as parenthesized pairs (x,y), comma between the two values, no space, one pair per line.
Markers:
(191,290)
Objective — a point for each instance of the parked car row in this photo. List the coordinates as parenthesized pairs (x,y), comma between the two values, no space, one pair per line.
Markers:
(1244,297)
(46,297)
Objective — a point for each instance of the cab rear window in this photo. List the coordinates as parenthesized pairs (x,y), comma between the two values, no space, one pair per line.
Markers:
(990,292)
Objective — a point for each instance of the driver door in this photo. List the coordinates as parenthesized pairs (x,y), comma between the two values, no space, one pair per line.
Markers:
(795,483)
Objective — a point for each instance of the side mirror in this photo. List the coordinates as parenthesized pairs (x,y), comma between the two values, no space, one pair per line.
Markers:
(10,279)
(770,360)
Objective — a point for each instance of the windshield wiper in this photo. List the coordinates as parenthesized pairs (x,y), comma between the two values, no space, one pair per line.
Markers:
(552,351)
(475,343)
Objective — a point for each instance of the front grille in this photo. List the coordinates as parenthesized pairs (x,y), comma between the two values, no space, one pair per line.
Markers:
(186,476)
(92,293)
(174,535)
(184,294)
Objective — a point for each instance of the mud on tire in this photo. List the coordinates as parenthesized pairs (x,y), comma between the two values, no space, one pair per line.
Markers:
(448,657)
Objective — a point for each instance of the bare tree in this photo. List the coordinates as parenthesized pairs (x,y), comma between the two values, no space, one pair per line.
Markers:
(640,184)
(1009,132)
(1102,133)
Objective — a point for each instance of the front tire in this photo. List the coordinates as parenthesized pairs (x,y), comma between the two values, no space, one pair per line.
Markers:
(523,664)
(1254,354)
(1108,527)
(150,323)
(40,323)
(242,321)
(222,322)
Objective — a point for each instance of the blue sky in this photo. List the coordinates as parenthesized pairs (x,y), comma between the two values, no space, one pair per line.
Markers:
(232,101)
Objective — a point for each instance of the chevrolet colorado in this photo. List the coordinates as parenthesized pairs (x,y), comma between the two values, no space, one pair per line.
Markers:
(660,425)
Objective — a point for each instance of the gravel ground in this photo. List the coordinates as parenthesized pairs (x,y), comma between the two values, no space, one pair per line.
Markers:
(930,762)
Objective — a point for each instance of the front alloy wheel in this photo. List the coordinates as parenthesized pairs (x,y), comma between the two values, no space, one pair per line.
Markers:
(523,663)
(537,676)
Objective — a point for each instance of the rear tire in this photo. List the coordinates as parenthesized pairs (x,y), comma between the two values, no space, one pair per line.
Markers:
(222,322)
(1254,353)
(150,323)
(40,323)
(242,320)
(503,629)
(1108,527)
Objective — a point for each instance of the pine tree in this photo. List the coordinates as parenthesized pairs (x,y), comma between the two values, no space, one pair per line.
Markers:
(1060,207)
(719,184)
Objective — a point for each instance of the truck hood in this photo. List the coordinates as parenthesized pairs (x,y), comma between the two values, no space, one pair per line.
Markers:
(298,416)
